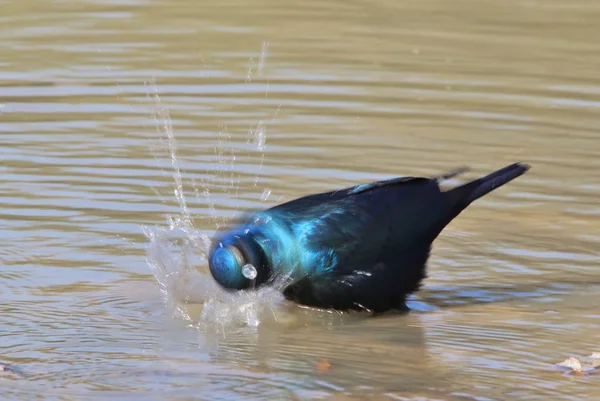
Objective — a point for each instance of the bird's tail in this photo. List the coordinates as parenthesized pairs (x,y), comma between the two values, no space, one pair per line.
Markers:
(461,197)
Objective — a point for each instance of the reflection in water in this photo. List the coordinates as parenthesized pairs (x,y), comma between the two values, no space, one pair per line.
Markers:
(270,102)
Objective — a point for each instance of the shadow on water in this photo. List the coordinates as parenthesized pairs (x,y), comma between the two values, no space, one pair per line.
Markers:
(454,297)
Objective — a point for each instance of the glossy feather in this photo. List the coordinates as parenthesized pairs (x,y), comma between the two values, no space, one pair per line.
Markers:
(363,247)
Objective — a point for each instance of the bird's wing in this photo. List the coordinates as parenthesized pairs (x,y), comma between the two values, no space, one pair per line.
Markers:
(368,249)
(367,223)
(332,233)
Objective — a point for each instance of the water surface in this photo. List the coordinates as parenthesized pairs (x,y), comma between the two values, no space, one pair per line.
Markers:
(131,129)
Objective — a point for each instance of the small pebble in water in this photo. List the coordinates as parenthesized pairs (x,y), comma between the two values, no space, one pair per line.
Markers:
(323,365)
(249,271)
(571,363)
(595,357)
(579,367)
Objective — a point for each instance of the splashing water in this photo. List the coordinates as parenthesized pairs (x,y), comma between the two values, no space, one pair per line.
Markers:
(177,253)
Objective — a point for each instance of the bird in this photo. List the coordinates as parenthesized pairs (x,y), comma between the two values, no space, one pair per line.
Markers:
(360,248)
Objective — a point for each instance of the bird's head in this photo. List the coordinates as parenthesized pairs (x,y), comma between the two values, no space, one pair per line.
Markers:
(237,261)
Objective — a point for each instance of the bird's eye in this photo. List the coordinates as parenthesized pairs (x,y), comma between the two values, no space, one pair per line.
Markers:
(226,264)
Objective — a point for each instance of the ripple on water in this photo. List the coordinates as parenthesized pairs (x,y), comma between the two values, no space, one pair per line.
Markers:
(344,93)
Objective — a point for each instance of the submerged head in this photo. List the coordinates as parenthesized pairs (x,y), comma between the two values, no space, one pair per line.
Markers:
(238,262)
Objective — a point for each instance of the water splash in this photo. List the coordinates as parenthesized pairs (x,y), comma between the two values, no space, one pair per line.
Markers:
(177,252)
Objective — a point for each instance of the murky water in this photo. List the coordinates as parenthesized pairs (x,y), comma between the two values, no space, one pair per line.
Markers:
(131,129)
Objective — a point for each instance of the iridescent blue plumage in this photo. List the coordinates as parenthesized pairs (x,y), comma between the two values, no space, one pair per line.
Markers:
(226,271)
(363,247)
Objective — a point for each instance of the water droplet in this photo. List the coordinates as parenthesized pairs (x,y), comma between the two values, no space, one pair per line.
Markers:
(249,272)
(260,136)
(263,58)
(265,195)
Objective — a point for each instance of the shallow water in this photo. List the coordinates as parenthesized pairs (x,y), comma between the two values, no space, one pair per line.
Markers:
(106,209)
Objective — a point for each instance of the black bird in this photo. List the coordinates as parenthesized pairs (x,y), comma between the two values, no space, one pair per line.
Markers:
(359,248)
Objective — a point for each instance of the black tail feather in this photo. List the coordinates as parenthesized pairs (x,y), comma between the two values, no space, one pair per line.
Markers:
(463,196)
(452,173)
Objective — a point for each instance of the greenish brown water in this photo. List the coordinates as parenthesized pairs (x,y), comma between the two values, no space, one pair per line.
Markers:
(309,96)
